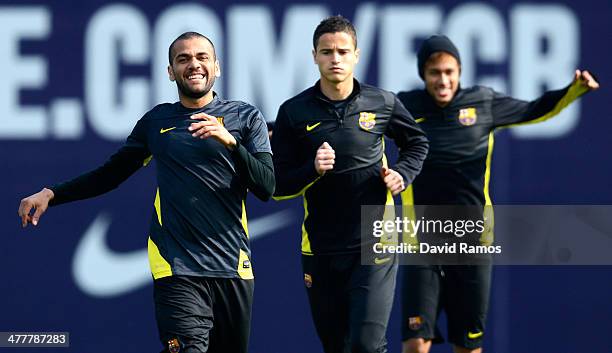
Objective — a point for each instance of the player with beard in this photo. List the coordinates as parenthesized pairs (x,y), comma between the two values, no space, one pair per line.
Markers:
(208,151)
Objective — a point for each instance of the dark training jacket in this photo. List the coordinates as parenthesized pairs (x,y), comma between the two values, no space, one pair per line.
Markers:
(199,225)
(457,169)
(332,202)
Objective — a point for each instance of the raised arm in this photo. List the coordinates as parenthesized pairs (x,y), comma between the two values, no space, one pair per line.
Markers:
(508,111)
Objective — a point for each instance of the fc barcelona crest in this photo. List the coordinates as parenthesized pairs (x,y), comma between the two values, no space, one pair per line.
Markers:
(174,346)
(467,116)
(367,120)
(307,280)
(415,323)
(221,121)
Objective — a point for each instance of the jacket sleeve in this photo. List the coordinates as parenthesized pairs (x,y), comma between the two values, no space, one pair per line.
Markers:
(121,165)
(293,173)
(253,158)
(508,111)
(410,140)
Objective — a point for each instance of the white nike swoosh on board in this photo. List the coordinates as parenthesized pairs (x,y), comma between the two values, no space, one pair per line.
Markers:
(101,272)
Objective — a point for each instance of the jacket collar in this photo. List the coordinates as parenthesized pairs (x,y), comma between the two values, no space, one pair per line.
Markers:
(211,104)
(319,94)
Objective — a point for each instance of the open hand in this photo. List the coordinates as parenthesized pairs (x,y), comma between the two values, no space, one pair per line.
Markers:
(586,79)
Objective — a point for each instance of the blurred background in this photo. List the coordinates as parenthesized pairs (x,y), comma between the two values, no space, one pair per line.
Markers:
(77,75)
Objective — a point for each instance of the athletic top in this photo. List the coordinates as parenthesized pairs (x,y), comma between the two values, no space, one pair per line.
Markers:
(332,203)
(199,225)
(457,169)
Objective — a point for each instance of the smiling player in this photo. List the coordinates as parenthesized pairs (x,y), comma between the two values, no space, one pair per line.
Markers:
(208,152)
(460,123)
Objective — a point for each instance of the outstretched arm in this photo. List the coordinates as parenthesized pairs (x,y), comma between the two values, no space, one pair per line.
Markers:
(125,162)
(508,111)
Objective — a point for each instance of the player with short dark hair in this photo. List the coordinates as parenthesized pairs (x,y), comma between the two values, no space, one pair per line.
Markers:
(328,148)
(186,36)
(334,24)
(460,125)
(208,152)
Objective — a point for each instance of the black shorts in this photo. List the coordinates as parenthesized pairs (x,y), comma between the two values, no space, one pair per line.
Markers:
(461,291)
(203,314)
(350,303)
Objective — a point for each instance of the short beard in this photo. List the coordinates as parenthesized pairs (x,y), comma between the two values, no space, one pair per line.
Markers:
(185,91)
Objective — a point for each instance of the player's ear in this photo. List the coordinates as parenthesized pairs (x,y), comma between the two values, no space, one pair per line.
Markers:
(217,69)
(314,56)
(357,52)
(170,73)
